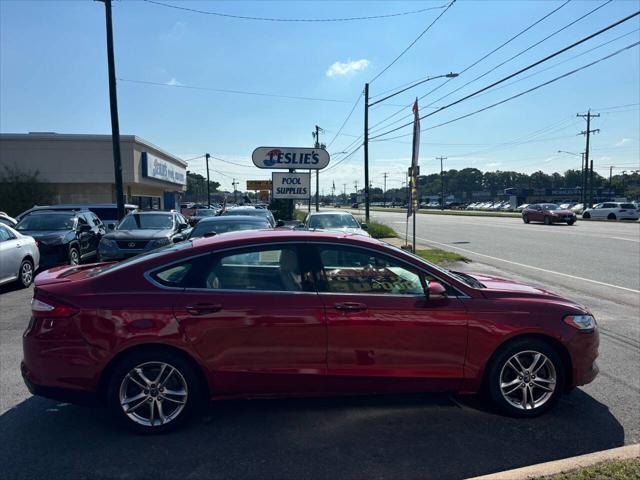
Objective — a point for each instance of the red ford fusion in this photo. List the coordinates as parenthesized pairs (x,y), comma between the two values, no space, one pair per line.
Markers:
(295,313)
(548,213)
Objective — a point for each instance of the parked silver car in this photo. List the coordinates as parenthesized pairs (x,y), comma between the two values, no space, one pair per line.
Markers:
(19,257)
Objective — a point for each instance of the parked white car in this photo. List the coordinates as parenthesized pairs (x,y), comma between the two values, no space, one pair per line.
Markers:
(612,211)
(19,257)
(577,208)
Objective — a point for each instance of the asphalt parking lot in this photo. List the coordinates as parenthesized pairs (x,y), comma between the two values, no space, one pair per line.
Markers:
(403,436)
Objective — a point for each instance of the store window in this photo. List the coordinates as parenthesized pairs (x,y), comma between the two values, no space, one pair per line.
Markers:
(147,203)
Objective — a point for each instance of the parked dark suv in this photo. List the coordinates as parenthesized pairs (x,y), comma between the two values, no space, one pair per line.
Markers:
(63,236)
(107,212)
(140,231)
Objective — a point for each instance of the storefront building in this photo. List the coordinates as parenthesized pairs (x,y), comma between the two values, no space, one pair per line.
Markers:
(79,168)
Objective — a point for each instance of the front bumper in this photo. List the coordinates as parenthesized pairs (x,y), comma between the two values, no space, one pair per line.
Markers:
(583,349)
(563,218)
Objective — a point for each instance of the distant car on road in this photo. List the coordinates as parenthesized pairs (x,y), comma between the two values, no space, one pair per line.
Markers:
(63,236)
(612,211)
(548,213)
(141,231)
(252,212)
(19,257)
(200,213)
(224,224)
(335,222)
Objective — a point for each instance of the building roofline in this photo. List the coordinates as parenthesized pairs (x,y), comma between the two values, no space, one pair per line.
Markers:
(88,137)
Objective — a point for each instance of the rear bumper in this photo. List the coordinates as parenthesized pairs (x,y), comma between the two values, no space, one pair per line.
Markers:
(78,397)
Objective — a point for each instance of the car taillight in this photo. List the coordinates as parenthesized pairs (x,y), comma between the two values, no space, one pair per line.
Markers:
(51,309)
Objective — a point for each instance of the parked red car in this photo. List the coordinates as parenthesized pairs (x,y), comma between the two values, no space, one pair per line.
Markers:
(548,213)
(265,313)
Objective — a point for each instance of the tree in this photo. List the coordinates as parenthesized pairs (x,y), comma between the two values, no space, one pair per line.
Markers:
(22,190)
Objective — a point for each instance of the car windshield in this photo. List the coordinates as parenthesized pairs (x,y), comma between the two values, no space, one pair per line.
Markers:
(149,221)
(328,221)
(253,212)
(223,227)
(49,221)
(549,206)
(205,212)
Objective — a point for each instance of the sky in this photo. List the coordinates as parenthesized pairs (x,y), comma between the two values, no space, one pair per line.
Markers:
(53,77)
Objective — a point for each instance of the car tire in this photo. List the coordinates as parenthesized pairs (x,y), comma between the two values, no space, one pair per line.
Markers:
(571,222)
(547,220)
(611,216)
(511,383)
(153,400)
(74,256)
(525,218)
(586,216)
(25,274)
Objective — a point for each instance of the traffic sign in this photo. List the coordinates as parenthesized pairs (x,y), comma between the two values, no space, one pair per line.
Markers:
(288,185)
(290,158)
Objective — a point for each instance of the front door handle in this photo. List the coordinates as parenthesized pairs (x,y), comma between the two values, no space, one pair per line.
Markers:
(350,306)
(203,308)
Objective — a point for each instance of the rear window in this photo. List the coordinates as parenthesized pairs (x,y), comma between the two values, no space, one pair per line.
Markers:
(627,205)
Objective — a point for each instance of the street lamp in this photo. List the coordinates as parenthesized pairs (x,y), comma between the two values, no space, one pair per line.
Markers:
(366,129)
(583,175)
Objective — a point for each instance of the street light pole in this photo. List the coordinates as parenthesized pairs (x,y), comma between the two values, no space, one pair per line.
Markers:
(206,156)
(367,105)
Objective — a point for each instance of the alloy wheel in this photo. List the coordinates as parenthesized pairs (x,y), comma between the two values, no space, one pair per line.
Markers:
(26,273)
(153,394)
(74,257)
(528,380)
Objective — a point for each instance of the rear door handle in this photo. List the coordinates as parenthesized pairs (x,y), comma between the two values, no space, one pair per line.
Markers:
(350,306)
(203,308)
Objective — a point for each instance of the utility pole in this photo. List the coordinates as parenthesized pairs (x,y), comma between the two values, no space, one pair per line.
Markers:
(113,101)
(235,192)
(582,169)
(366,153)
(316,135)
(610,178)
(344,192)
(587,133)
(441,182)
(206,156)
(384,192)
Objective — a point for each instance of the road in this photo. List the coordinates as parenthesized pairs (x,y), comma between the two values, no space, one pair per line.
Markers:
(403,436)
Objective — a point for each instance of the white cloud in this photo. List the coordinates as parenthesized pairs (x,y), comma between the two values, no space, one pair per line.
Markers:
(173,82)
(492,164)
(340,69)
(622,142)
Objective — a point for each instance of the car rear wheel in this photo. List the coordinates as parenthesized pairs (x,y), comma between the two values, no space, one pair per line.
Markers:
(586,215)
(525,218)
(25,275)
(526,378)
(611,216)
(74,256)
(153,391)
(547,220)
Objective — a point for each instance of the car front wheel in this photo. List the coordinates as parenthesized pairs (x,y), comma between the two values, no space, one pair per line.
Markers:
(525,219)
(74,256)
(547,220)
(526,378)
(586,215)
(611,216)
(153,391)
(571,222)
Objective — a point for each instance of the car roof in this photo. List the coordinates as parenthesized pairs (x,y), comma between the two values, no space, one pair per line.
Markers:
(330,212)
(273,236)
(233,218)
(150,212)
(68,211)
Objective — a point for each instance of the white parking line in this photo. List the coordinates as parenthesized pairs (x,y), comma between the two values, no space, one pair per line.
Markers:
(529,266)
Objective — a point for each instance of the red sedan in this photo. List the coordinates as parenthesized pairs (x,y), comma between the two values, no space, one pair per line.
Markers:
(548,213)
(267,313)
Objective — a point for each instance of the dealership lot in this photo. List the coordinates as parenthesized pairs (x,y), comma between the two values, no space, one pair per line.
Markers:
(427,436)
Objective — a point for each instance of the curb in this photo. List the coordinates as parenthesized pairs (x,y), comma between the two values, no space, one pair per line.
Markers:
(564,465)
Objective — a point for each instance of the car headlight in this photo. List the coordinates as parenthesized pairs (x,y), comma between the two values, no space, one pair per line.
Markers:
(581,322)
(107,243)
(159,242)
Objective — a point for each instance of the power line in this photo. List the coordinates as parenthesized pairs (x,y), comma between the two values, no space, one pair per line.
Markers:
(478,61)
(343,159)
(345,121)
(522,70)
(521,52)
(413,43)
(308,20)
(236,92)
(525,92)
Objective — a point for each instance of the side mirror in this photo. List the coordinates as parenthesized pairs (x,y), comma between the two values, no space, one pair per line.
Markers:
(182,226)
(436,291)
(111,226)
(178,238)
(279,223)
(85,228)
(364,226)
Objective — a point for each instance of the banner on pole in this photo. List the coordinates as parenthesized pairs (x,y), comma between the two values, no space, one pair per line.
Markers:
(413,203)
